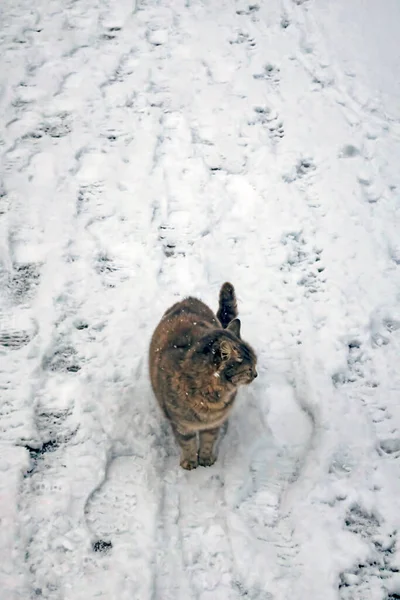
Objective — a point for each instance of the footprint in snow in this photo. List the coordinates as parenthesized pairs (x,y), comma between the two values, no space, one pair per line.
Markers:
(243,38)
(111,273)
(270,73)
(383,325)
(370,189)
(356,368)
(270,121)
(62,359)
(14,340)
(300,170)
(54,430)
(307,260)
(394,252)
(87,194)
(379,570)
(110,33)
(285,22)
(349,151)
(390,446)
(23,282)
(251,9)
(168,240)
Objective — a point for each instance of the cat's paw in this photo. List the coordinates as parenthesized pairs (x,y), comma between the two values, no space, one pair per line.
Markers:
(189,464)
(208,460)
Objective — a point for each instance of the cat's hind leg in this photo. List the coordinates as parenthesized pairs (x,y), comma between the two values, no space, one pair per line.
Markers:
(207,457)
(227,310)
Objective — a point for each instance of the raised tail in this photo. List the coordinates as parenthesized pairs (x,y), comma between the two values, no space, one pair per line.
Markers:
(227,310)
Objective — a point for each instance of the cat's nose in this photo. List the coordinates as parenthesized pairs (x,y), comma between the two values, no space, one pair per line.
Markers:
(255,374)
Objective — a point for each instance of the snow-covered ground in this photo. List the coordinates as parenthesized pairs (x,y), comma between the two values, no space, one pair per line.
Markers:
(152,150)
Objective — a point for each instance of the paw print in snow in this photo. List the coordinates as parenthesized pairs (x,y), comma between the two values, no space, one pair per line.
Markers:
(270,120)
(301,169)
(269,73)
(243,38)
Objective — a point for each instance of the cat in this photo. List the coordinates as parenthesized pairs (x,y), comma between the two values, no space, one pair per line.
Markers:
(197,362)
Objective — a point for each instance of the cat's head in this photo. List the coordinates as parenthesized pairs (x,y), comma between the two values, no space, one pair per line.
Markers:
(232,359)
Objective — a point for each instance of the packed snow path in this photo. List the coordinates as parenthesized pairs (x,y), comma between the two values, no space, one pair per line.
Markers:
(151,151)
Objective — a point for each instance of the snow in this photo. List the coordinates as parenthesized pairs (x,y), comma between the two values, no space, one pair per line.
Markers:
(152,150)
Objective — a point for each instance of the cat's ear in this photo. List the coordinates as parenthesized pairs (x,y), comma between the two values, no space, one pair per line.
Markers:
(224,350)
(219,349)
(234,327)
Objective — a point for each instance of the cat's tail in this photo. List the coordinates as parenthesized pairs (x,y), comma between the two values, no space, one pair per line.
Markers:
(227,310)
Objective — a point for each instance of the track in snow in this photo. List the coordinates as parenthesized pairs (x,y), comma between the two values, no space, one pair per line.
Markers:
(157,164)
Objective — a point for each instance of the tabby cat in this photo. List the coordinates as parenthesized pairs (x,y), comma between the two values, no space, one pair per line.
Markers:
(197,362)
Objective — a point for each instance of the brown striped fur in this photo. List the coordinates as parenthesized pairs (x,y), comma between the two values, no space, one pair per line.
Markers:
(197,362)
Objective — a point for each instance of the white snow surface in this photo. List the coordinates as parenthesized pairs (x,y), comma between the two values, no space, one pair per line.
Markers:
(151,150)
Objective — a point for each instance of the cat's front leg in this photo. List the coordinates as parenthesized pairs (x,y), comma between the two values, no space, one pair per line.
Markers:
(188,445)
(206,451)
